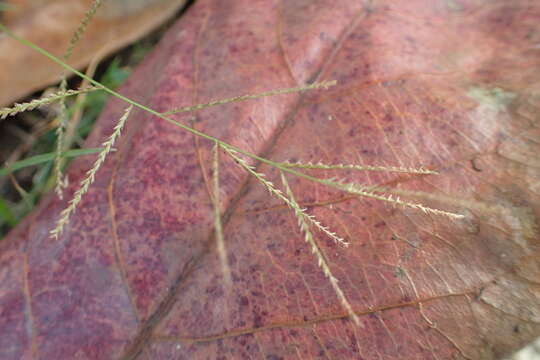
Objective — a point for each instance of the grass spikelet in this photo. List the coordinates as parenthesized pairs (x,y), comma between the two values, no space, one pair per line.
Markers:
(61,183)
(371,192)
(322,166)
(446,199)
(222,252)
(82,28)
(277,193)
(49,99)
(332,235)
(90,176)
(317,85)
(323,264)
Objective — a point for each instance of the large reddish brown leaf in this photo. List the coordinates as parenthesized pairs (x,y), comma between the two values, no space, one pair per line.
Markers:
(451,85)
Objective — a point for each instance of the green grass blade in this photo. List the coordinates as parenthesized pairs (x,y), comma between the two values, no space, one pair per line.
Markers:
(38,159)
(6,214)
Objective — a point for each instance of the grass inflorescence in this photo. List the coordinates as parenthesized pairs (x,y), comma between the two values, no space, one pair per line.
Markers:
(47,100)
(90,175)
(306,222)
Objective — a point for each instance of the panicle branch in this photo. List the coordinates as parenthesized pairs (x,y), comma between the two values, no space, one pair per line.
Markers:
(372,192)
(90,176)
(49,99)
(321,260)
(277,193)
(322,166)
(317,85)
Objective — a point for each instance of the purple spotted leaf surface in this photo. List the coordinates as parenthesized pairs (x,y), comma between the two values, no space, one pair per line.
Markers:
(449,85)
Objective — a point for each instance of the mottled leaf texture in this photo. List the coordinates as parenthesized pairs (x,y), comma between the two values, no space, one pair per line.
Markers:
(450,85)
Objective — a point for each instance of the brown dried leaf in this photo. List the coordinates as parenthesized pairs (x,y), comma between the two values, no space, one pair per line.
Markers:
(50,24)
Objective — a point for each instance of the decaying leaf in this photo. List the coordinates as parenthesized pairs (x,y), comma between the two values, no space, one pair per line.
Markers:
(50,24)
(448,85)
